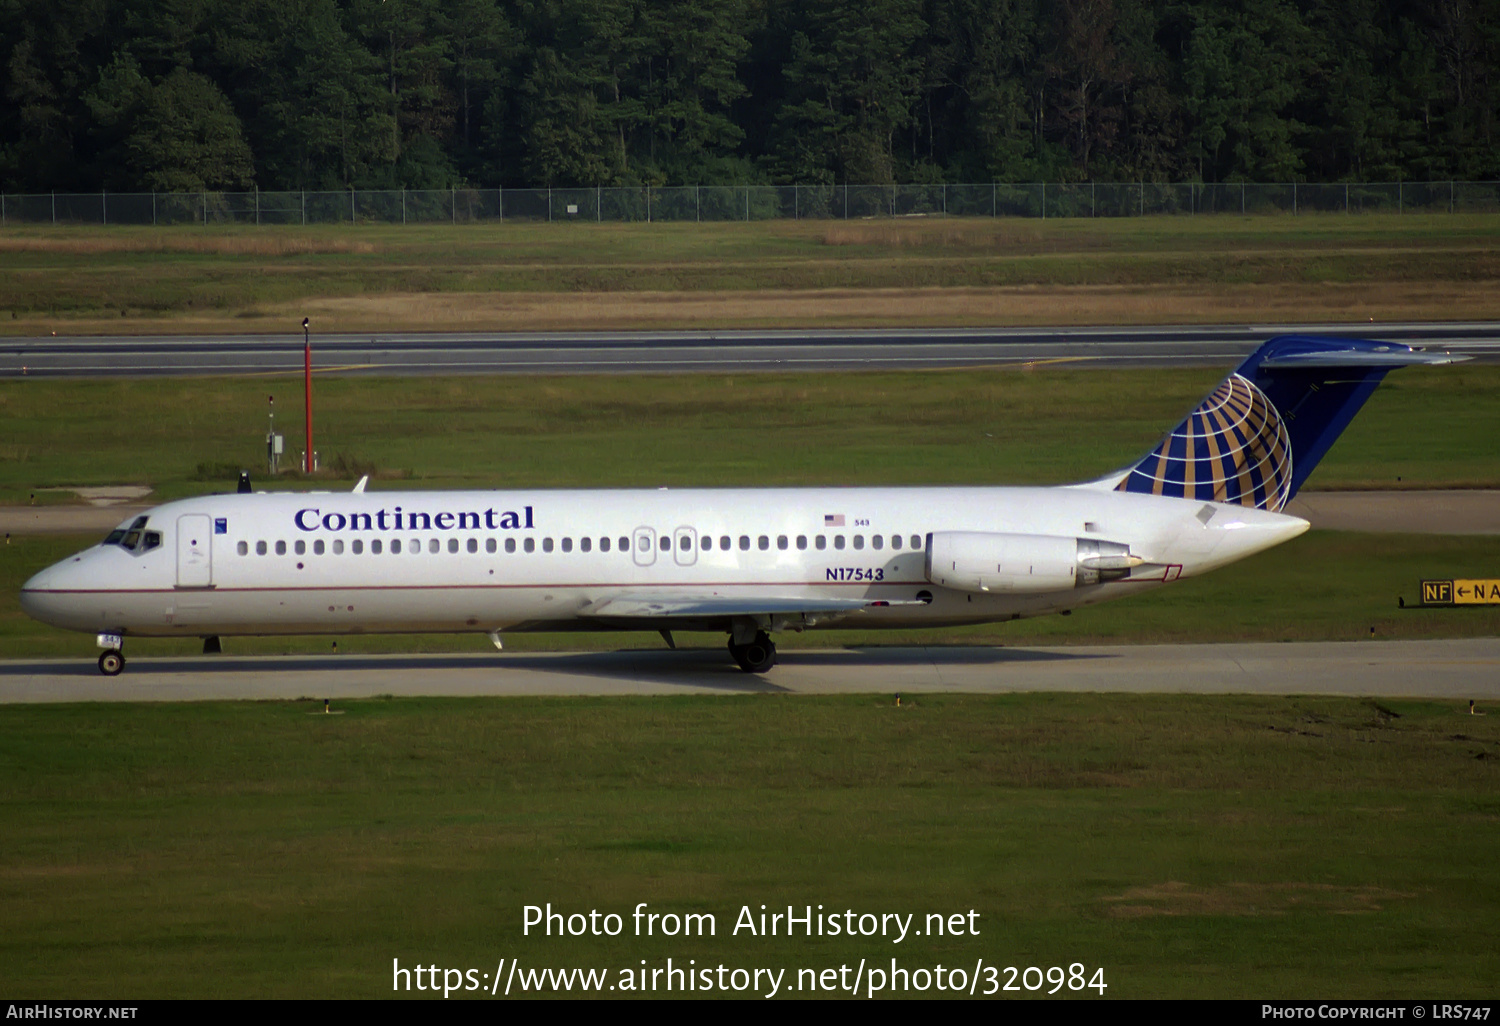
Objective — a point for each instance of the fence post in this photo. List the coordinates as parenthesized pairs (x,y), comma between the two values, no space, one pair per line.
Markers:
(796,202)
(1143,198)
(1044,201)
(1346,197)
(697,203)
(648,204)
(747,204)
(598,204)
(257,204)
(54,208)
(1093,201)
(1242,197)
(104,205)
(452,205)
(549,203)
(846,201)
(993,209)
(351,206)
(1450,196)
(500,201)
(153,208)
(203,201)
(2,209)
(403,206)
(1399,198)
(945,199)
(1294,199)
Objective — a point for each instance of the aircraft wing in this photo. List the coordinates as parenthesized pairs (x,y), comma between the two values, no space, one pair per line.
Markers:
(637,607)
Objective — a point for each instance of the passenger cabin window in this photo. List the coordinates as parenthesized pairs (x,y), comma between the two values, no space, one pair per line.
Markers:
(876,542)
(584,544)
(433,545)
(357,546)
(820,543)
(375,546)
(567,544)
(489,545)
(281,548)
(452,544)
(530,545)
(338,546)
(724,543)
(686,543)
(243,548)
(546,544)
(624,544)
(318,547)
(645,543)
(260,548)
(603,544)
(838,541)
(763,543)
(301,547)
(744,543)
(916,541)
(895,541)
(801,541)
(666,543)
(510,545)
(781,542)
(473,545)
(395,546)
(859,541)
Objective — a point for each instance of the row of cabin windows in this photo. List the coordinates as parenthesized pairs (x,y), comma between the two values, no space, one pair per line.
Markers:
(684,543)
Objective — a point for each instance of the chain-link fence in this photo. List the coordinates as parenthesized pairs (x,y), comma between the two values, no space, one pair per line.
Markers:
(745,203)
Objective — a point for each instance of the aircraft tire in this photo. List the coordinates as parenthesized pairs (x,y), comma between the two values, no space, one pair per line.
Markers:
(756,657)
(111,663)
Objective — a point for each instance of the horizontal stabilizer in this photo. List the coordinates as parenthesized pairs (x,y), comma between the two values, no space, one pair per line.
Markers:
(1361,358)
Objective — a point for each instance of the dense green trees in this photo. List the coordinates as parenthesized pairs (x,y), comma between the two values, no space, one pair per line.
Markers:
(319,94)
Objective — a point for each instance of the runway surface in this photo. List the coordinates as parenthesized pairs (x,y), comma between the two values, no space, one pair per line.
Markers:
(675,352)
(1457,670)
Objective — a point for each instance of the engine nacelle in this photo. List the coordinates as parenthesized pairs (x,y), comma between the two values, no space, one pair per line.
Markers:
(983,561)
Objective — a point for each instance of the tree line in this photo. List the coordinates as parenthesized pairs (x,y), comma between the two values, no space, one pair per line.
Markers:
(166,95)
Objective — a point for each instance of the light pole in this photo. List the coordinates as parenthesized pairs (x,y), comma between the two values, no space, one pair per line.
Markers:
(307,457)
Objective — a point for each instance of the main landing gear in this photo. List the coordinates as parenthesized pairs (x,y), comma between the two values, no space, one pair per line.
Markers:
(111,662)
(755,656)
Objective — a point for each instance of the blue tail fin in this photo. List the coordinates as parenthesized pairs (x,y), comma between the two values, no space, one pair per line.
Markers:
(1263,430)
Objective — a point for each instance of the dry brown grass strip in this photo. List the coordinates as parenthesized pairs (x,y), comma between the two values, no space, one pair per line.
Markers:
(176,242)
(1020,306)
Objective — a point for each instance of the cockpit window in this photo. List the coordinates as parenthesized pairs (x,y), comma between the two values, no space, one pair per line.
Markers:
(150,540)
(130,537)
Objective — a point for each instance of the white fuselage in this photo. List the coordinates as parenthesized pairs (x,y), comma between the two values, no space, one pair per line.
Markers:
(341,563)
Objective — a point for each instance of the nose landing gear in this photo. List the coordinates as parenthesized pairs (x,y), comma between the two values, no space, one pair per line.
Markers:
(111,662)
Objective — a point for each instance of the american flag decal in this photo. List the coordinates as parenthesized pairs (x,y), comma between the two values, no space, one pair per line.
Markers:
(833,520)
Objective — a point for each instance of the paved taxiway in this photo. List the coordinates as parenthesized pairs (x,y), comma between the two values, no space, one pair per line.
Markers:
(1457,670)
(675,352)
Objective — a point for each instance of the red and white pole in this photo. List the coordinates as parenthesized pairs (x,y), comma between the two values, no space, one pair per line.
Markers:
(307,457)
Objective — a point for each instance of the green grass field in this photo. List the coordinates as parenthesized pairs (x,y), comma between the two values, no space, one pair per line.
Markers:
(254,279)
(1045,425)
(1191,847)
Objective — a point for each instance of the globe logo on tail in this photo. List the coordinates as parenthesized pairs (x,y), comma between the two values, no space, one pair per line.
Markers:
(1233,448)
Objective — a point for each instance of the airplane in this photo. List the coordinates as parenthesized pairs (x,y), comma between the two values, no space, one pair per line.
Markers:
(749,562)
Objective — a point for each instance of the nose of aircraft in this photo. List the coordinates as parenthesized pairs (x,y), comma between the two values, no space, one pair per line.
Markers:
(45,596)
